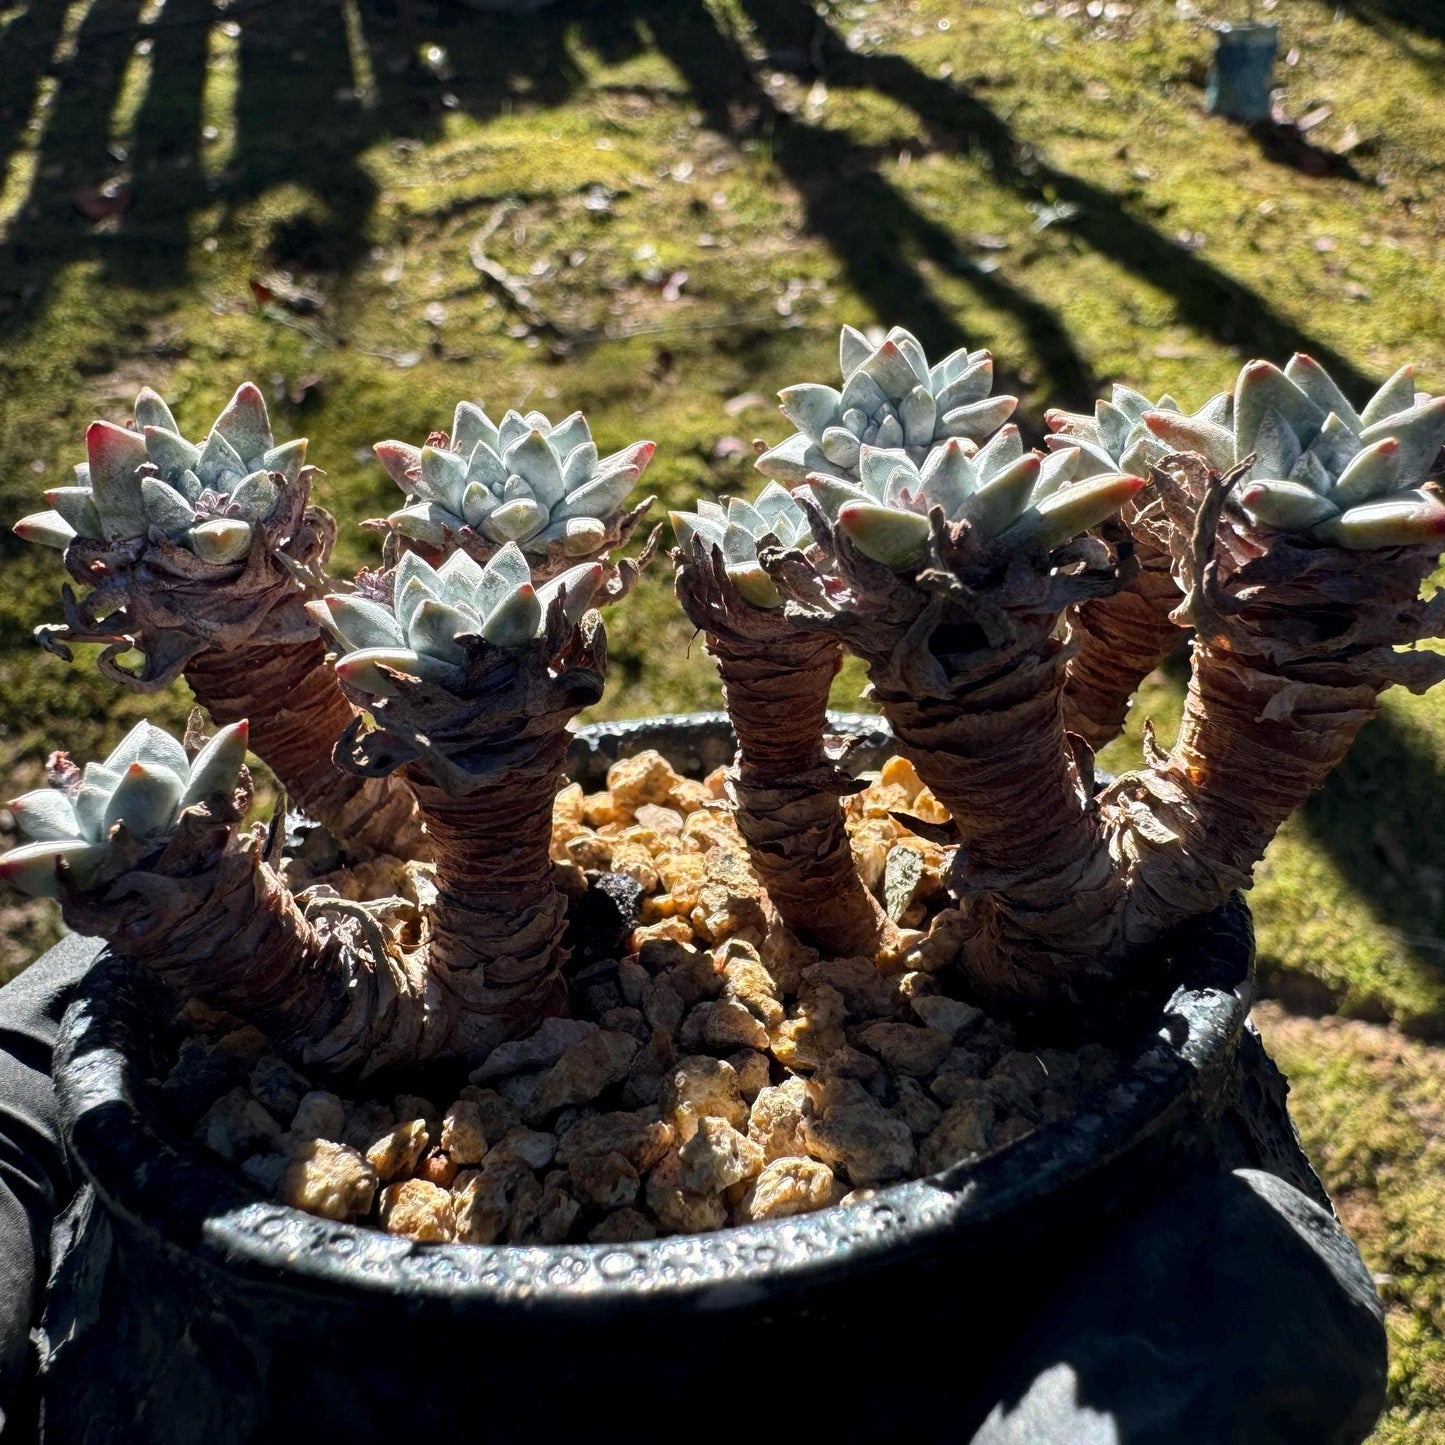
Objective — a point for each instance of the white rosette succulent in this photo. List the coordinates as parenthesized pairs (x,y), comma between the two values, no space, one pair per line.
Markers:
(737,529)
(1116,437)
(1322,469)
(1008,496)
(102,814)
(432,616)
(525,480)
(892,400)
(149,480)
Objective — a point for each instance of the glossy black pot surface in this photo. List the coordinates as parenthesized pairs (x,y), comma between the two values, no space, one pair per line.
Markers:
(185,1307)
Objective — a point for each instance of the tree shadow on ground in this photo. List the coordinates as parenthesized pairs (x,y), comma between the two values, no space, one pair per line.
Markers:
(315,87)
(305,112)
(1392,856)
(876,233)
(1206,298)
(1424,17)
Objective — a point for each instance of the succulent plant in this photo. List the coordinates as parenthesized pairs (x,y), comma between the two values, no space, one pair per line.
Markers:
(1322,469)
(525,480)
(1006,494)
(147,479)
(737,528)
(417,620)
(1117,439)
(893,400)
(139,791)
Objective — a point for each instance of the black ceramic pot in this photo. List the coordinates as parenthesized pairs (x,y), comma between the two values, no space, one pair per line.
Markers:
(186,1308)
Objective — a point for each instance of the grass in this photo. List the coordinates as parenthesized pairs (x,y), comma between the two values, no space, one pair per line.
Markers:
(695,196)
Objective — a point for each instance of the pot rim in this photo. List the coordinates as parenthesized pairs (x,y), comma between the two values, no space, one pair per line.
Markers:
(172,1191)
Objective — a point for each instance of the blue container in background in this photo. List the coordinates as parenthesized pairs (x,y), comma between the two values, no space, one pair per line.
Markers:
(1242,70)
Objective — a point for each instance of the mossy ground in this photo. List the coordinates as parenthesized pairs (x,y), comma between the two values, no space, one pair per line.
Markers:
(694,196)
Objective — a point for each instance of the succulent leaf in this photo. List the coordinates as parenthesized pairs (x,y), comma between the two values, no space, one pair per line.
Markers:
(576,587)
(49,529)
(1420,430)
(254,497)
(144,801)
(427,522)
(1397,395)
(220,464)
(1317,384)
(1372,471)
(1002,498)
(515,620)
(811,407)
(170,451)
(1073,510)
(151,410)
(1193,434)
(146,743)
(363,623)
(366,670)
(1407,521)
(114,454)
(754,585)
(76,506)
(898,540)
(1288,506)
(36,868)
(45,815)
(165,508)
(470,425)
(434,628)
(216,769)
(245,425)
(222,540)
(288,459)
(399,459)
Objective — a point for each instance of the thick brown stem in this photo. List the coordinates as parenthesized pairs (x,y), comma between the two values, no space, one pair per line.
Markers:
(1121,640)
(297,712)
(1032,851)
(495,932)
(1255,745)
(230,935)
(787,790)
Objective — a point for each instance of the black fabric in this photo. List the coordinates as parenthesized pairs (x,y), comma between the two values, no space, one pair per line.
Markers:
(1235,1310)
(34,1176)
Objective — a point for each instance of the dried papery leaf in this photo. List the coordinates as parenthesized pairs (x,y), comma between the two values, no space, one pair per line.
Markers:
(1122,638)
(240,634)
(775,679)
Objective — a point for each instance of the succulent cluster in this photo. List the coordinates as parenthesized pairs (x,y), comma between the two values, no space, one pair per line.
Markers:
(524,480)
(738,529)
(142,789)
(1118,438)
(1321,469)
(892,400)
(148,480)
(1008,495)
(418,619)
